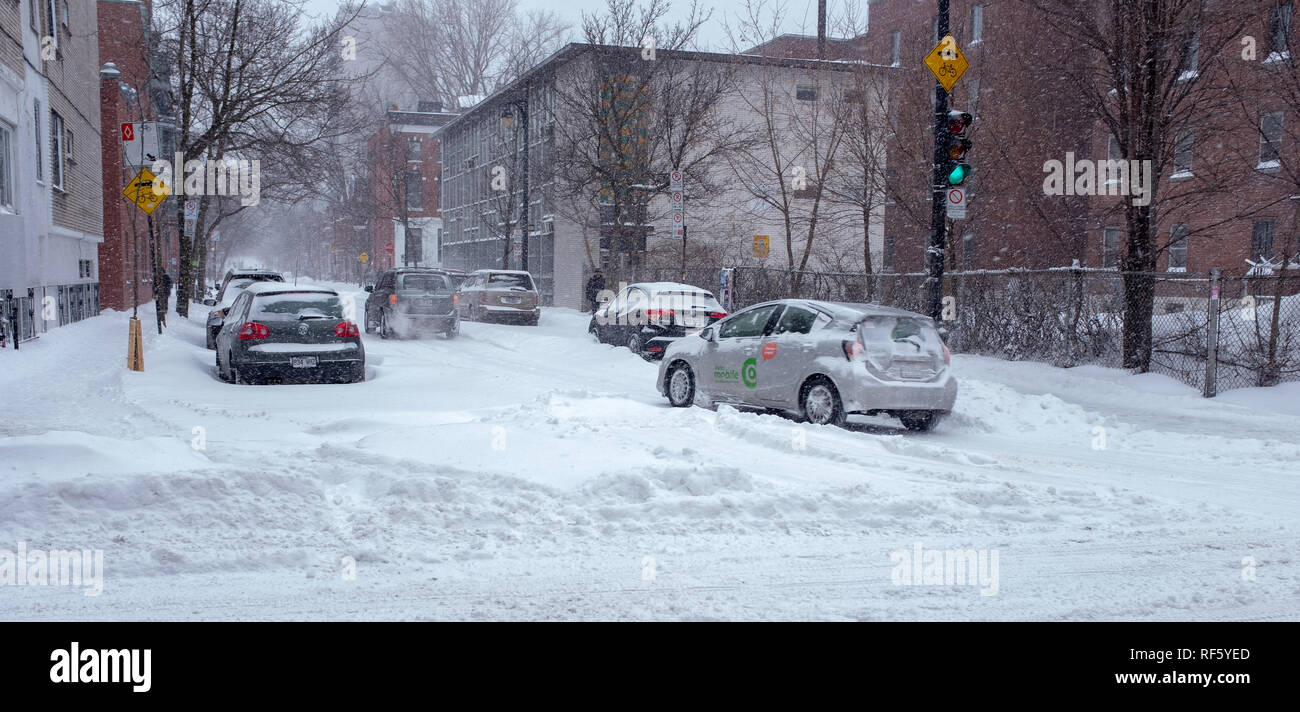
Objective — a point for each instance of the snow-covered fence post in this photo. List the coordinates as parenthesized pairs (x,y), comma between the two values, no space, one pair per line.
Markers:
(1212,336)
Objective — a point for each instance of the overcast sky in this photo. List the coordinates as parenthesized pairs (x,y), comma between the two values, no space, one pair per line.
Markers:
(802,14)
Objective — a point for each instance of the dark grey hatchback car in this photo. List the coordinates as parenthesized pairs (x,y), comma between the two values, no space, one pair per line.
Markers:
(412,301)
(279,332)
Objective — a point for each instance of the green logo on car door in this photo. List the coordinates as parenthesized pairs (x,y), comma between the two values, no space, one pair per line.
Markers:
(749,372)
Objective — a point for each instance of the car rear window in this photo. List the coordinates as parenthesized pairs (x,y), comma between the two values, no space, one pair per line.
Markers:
(508,281)
(425,282)
(888,337)
(289,306)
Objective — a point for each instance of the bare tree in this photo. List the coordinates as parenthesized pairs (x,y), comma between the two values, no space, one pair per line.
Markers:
(446,49)
(1135,77)
(253,81)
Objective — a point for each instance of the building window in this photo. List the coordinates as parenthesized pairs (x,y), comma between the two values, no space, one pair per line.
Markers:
(413,150)
(1178,248)
(1279,31)
(895,45)
(415,243)
(84,269)
(805,93)
(40,142)
(1110,248)
(887,259)
(414,191)
(6,169)
(976,24)
(1191,55)
(968,248)
(1261,241)
(1183,153)
(53,16)
(1270,140)
(57,149)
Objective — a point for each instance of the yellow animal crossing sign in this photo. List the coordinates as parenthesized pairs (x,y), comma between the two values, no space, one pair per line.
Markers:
(946,62)
(145,191)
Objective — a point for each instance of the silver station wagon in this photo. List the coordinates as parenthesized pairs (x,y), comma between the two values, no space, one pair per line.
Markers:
(820,360)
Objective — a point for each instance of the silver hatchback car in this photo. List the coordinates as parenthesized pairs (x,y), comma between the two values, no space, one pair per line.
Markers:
(821,360)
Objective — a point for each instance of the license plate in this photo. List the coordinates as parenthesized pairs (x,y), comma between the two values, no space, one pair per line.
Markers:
(425,302)
(302,361)
(511,300)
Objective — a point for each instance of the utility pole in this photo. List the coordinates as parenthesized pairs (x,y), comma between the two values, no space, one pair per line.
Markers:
(523,183)
(934,252)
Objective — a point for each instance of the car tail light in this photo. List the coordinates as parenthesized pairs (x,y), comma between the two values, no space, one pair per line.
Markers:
(455,300)
(657,314)
(253,330)
(852,349)
(347,330)
(947,355)
(392,299)
(717,315)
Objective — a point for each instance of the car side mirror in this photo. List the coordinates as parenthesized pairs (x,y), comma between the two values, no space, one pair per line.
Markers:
(209,302)
(370,287)
(708,336)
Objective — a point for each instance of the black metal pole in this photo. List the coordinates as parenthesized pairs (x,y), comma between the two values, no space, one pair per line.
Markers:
(934,253)
(523,185)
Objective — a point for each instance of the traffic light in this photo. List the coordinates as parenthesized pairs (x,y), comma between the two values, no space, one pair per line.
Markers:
(957,169)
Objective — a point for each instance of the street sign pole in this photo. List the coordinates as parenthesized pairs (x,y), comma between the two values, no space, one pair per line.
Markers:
(934,253)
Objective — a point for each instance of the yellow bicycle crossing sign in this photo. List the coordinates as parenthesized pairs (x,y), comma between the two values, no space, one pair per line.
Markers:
(946,62)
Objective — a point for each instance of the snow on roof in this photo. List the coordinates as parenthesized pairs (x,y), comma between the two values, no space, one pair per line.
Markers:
(279,287)
(469,100)
(669,287)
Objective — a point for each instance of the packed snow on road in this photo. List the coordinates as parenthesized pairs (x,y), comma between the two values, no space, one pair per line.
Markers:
(519,472)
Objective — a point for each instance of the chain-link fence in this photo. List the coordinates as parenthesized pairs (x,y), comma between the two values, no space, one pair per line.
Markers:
(1073,316)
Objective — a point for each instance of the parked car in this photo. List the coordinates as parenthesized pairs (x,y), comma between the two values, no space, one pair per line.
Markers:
(500,295)
(257,275)
(647,317)
(410,301)
(821,360)
(222,302)
(279,332)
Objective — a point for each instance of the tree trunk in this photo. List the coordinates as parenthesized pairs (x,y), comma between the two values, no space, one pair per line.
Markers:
(1139,290)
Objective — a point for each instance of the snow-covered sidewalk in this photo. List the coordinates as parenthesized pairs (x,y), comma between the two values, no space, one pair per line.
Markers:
(530,473)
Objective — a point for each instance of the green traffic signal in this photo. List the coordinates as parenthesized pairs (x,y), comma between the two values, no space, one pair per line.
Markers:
(959,173)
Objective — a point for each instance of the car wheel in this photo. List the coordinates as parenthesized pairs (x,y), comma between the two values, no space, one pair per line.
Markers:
(454,330)
(384,331)
(820,402)
(594,331)
(370,324)
(919,420)
(221,375)
(635,344)
(480,315)
(680,386)
(237,378)
(212,339)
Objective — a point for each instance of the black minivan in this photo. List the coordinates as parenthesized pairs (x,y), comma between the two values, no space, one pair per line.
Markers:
(409,301)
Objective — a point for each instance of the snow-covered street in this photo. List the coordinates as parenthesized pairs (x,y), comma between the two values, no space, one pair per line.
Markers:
(531,473)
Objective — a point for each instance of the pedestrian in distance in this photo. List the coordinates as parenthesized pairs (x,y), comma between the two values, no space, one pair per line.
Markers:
(595,285)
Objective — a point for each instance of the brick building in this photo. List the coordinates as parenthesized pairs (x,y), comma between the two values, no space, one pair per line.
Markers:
(403,170)
(124,41)
(1223,200)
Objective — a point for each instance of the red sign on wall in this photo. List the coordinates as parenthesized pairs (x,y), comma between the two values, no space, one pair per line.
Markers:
(128,132)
